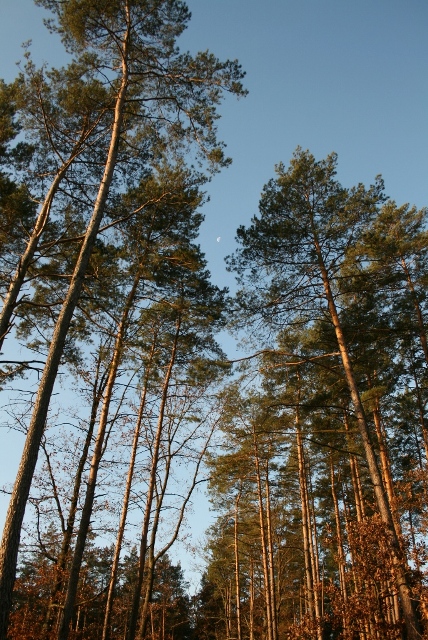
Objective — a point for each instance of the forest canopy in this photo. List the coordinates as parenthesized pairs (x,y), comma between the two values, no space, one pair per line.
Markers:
(313,447)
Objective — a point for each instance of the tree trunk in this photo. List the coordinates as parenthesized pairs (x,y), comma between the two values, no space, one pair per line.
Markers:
(12,530)
(237,569)
(271,556)
(95,462)
(305,520)
(313,546)
(418,310)
(264,543)
(412,622)
(355,476)
(133,620)
(125,504)
(26,258)
(98,390)
(340,549)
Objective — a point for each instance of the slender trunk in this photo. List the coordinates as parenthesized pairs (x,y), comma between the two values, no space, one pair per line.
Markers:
(264,543)
(95,462)
(313,545)
(271,557)
(237,569)
(252,600)
(133,620)
(151,546)
(412,622)
(227,612)
(153,535)
(26,258)
(421,407)
(385,467)
(125,505)
(340,549)
(355,476)
(150,571)
(12,530)
(305,520)
(98,390)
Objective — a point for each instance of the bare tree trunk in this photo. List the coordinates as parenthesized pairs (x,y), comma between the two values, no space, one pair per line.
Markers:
(252,600)
(421,408)
(305,520)
(157,512)
(264,542)
(385,465)
(98,390)
(270,551)
(133,620)
(237,569)
(355,476)
(26,258)
(12,530)
(125,504)
(95,462)
(313,545)
(340,550)
(412,622)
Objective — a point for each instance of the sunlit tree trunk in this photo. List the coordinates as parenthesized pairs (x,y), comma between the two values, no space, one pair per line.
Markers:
(418,310)
(97,393)
(355,475)
(125,505)
(421,407)
(411,617)
(305,521)
(340,549)
(264,542)
(12,530)
(237,568)
(25,260)
(313,545)
(270,551)
(251,601)
(133,620)
(95,462)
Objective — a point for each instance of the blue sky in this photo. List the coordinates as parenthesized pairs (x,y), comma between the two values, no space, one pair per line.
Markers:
(328,75)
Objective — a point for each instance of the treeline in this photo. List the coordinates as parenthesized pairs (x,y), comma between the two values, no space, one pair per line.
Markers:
(316,449)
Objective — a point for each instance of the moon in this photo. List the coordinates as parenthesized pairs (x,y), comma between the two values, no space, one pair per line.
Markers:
(218,239)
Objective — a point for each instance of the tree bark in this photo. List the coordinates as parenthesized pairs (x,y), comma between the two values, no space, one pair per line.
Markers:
(133,620)
(237,569)
(95,462)
(125,505)
(98,390)
(264,543)
(12,530)
(26,258)
(305,520)
(340,549)
(412,622)
(11,534)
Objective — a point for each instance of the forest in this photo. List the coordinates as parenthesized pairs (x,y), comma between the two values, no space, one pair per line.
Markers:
(312,447)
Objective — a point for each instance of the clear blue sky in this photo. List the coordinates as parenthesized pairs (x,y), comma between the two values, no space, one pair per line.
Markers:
(328,75)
